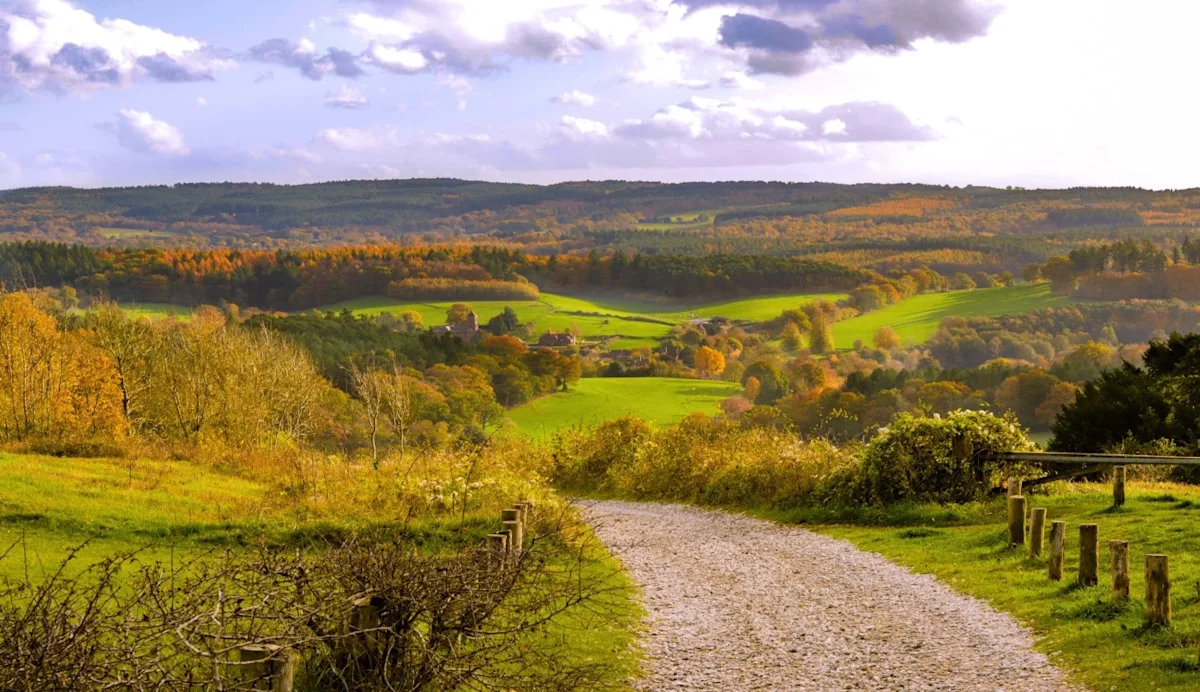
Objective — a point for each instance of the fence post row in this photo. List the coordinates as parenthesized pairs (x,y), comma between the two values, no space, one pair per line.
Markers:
(1118,486)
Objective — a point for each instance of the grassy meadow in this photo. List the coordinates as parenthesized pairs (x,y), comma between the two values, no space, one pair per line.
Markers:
(174,511)
(607,319)
(659,400)
(1084,630)
(917,318)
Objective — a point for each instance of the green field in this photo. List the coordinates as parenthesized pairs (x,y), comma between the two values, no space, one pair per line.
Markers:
(660,400)
(917,318)
(559,313)
(174,511)
(157,310)
(1084,630)
(50,504)
(688,221)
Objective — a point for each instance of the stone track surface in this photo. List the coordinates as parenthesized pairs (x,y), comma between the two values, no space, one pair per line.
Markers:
(737,603)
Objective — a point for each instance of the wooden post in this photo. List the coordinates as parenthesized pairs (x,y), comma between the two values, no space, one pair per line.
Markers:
(1016,521)
(516,537)
(1158,590)
(1118,486)
(267,667)
(497,543)
(1058,539)
(1014,486)
(1089,554)
(1120,569)
(516,531)
(1037,531)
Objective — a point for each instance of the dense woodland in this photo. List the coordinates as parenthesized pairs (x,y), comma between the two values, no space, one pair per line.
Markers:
(870,226)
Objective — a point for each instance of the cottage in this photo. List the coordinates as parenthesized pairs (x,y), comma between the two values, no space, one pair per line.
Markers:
(465,331)
(556,339)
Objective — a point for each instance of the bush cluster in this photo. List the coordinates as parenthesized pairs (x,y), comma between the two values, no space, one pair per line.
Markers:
(950,459)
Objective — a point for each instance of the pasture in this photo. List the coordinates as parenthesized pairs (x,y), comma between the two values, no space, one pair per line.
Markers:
(658,400)
(917,318)
(625,323)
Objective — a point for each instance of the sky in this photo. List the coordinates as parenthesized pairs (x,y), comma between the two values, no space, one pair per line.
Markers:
(1035,93)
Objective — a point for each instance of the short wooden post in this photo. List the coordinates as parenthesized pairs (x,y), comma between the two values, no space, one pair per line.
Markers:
(1014,486)
(497,543)
(1016,521)
(517,531)
(516,537)
(1037,531)
(1058,540)
(267,667)
(1120,569)
(1158,590)
(1118,486)
(1089,554)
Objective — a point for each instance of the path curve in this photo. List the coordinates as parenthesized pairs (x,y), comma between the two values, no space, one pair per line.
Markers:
(737,603)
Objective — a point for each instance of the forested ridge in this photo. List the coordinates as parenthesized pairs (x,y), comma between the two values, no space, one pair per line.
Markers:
(871,226)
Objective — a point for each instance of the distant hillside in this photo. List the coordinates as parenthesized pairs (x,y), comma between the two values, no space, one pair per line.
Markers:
(868,226)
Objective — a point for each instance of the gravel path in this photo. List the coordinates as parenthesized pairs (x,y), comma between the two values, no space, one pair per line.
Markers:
(742,604)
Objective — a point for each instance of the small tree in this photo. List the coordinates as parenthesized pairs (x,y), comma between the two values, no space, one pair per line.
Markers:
(886,338)
(821,339)
(458,314)
(709,361)
(792,339)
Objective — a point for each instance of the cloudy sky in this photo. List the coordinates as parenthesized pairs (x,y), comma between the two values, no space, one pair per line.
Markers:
(1000,92)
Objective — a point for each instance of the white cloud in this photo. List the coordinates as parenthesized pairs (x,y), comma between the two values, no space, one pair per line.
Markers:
(345,97)
(459,85)
(358,140)
(140,131)
(287,153)
(201,101)
(54,45)
(372,28)
(402,60)
(577,128)
(575,97)
(836,126)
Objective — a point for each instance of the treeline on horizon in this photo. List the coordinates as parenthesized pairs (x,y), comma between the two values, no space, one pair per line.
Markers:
(302,279)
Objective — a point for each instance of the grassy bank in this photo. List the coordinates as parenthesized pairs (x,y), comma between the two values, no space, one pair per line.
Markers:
(1102,642)
(177,511)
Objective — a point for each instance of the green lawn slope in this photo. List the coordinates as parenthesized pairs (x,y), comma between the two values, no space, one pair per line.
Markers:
(917,318)
(659,400)
(1084,630)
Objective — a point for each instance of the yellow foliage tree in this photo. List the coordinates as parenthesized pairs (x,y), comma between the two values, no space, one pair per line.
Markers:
(886,338)
(52,385)
(709,361)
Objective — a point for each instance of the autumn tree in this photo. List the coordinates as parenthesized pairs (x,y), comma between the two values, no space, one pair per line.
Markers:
(886,339)
(129,344)
(52,384)
(709,361)
(821,337)
(458,314)
(792,339)
(1062,274)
